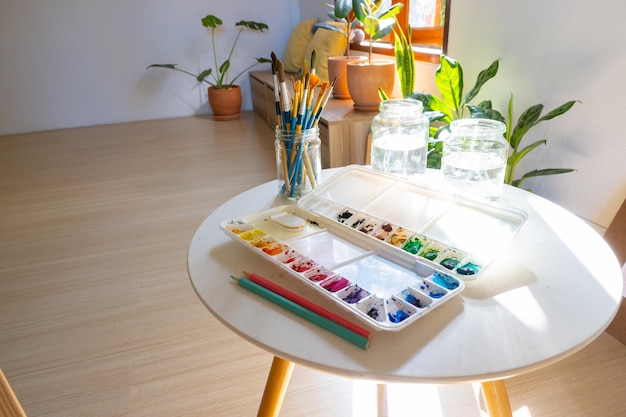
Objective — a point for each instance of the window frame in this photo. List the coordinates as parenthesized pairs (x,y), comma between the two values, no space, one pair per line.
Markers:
(421,38)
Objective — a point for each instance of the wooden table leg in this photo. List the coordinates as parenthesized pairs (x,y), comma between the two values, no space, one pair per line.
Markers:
(275,387)
(381,400)
(496,398)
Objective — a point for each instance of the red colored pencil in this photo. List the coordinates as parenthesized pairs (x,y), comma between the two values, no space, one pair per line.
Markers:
(307,304)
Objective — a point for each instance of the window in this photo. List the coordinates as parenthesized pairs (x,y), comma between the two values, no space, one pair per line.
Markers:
(428,20)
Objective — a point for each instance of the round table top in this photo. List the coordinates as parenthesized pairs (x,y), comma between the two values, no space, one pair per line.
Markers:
(554,288)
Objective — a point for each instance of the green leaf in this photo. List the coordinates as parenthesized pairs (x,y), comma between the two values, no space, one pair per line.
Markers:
(169,66)
(479,112)
(201,77)
(425,98)
(371,26)
(434,116)
(433,104)
(405,63)
(443,130)
(381,93)
(342,8)
(391,12)
(329,27)
(484,76)
(439,105)
(433,159)
(385,26)
(252,25)
(563,108)
(541,172)
(547,171)
(449,80)
(361,9)
(527,120)
(486,104)
(515,157)
(224,67)
(509,120)
(211,21)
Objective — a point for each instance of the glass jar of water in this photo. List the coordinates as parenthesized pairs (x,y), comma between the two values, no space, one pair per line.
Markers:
(474,157)
(400,137)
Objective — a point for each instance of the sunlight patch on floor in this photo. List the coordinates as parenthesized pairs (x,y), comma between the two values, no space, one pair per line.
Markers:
(401,400)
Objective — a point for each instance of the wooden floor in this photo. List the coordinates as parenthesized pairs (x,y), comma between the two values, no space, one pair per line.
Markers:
(98,318)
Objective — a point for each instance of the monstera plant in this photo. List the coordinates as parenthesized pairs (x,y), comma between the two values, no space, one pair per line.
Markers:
(224,94)
(452,105)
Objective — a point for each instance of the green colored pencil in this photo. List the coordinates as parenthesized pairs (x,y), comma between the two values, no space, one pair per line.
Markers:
(303,312)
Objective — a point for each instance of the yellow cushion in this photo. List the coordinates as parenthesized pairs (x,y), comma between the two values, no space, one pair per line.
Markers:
(326,43)
(300,37)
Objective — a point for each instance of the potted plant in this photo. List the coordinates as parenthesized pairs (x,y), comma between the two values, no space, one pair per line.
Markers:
(452,105)
(365,78)
(338,65)
(224,95)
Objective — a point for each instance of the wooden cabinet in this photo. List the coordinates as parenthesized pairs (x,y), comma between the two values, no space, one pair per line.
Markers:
(343,131)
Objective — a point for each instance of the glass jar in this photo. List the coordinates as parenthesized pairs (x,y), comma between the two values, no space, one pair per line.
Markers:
(474,157)
(298,161)
(400,137)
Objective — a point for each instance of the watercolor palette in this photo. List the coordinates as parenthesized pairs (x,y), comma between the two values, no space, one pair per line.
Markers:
(388,290)
(387,250)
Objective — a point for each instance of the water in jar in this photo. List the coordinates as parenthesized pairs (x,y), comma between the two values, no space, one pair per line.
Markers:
(474,157)
(400,138)
(399,154)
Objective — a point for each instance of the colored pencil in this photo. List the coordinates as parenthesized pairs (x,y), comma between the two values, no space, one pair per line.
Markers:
(307,304)
(303,312)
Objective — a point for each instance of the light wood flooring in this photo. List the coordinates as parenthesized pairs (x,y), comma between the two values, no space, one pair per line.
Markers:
(98,318)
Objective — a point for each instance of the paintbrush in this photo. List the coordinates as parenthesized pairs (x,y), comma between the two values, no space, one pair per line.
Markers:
(313,58)
(327,94)
(285,95)
(279,119)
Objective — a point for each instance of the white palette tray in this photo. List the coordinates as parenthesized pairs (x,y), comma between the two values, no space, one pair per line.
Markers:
(363,239)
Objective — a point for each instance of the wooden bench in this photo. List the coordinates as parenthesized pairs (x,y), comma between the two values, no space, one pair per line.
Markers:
(343,131)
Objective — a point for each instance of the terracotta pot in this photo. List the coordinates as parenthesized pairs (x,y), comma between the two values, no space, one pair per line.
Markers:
(338,67)
(225,102)
(364,78)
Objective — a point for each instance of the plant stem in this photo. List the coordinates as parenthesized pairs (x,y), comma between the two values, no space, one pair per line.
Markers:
(218,81)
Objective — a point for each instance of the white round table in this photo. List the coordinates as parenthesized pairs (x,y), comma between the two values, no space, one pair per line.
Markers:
(554,288)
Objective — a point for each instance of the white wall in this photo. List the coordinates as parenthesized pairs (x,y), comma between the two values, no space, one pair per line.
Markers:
(66,63)
(553,52)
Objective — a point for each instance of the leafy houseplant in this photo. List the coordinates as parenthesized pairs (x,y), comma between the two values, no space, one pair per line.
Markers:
(452,105)
(218,80)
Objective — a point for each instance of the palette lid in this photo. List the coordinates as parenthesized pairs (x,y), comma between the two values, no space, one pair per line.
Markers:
(433,221)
